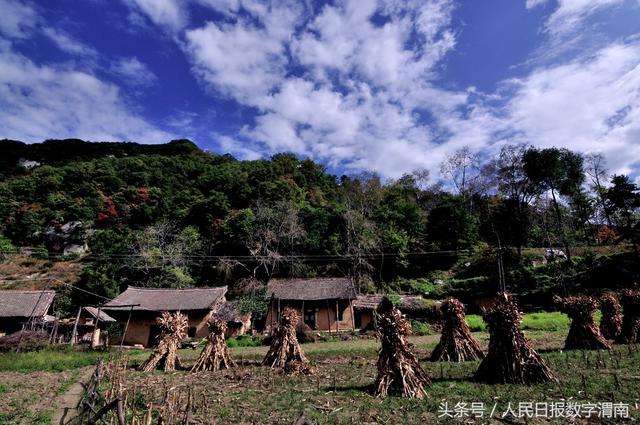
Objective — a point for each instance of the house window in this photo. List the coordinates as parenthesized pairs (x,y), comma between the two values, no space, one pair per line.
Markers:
(192,332)
(340,314)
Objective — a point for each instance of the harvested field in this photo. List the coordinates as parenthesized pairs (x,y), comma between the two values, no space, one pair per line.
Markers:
(342,391)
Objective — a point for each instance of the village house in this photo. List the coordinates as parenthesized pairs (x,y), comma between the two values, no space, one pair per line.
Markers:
(140,307)
(324,304)
(20,307)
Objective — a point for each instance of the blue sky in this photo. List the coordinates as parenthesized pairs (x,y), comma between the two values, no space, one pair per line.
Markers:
(390,86)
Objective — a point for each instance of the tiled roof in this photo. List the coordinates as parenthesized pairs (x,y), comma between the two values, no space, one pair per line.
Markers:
(406,302)
(25,303)
(168,299)
(311,289)
(104,317)
(228,312)
(368,301)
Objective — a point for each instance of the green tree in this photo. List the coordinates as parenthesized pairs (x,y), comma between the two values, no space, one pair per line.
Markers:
(558,171)
(512,219)
(623,201)
(451,226)
(6,247)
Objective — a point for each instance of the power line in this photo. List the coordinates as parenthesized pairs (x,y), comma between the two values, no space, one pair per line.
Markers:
(258,257)
(307,256)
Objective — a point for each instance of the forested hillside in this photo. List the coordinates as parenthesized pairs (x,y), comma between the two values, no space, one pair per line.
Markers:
(175,216)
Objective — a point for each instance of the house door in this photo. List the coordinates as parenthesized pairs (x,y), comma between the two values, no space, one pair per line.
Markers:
(310,317)
(154,333)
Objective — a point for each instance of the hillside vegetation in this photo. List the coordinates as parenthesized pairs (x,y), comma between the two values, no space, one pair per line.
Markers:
(175,216)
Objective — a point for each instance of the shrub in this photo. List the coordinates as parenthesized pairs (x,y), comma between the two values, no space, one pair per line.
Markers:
(244,341)
(421,328)
(475,323)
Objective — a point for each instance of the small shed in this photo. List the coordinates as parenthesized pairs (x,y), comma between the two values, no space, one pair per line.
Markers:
(413,306)
(20,307)
(87,324)
(140,307)
(323,303)
(237,323)
(363,307)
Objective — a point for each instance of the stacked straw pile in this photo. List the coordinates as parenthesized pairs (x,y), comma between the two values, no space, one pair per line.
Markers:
(215,355)
(583,333)
(399,371)
(511,357)
(285,351)
(456,343)
(630,301)
(24,340)
(611,321)
(165,356)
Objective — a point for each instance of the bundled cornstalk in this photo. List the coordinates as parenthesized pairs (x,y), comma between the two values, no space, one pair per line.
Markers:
(165,356)
(285,352)
(583,333)
(611,321)
(456,342)
(399,371)
(511,357)
(215,355)
(630,301)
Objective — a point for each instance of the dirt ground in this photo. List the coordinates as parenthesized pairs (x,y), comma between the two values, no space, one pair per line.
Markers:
(31,398)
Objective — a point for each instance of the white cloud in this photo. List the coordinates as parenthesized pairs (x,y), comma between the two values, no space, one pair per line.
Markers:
(355,103)
(17,19)
(569,15)
(133,72)
(169,14)
(42,102)
(344,39)
(67,43)
(357,85)
(590,105)
(530,4)
(240,150)
(238,60)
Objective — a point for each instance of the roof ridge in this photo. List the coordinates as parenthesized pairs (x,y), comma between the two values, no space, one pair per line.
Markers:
(28,291)
(142,288)
(310,278)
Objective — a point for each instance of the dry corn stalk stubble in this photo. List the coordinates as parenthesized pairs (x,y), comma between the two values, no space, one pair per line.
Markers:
(165,355)
(630,301)
(511,357)
(611,321)
(285,351)
(215,355)
(456,342)
(583,333)
(399,371)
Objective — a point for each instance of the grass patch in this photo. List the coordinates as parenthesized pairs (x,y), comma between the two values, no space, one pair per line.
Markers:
(545,321)
(244,341)
(47,360)
(475,322)
(541,321)
(421,328)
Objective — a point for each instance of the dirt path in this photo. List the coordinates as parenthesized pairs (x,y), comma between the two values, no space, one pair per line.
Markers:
(67,403)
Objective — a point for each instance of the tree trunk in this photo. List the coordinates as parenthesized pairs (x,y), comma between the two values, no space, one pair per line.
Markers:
(605,210)
(560,227)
